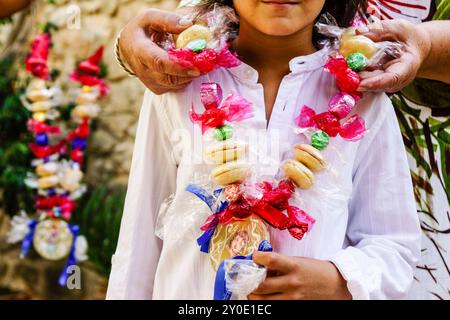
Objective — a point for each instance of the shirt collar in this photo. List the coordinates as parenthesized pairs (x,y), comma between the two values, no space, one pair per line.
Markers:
(311,62)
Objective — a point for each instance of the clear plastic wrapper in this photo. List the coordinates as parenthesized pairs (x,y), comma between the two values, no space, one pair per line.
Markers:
(242,277)
(188,212)
(19,228)
(87,106)
(205,45)
(42,100)
(241,222)
(361,52)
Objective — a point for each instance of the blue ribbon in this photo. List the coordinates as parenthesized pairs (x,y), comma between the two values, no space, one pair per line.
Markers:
(220,287)
(210,199)
(28,240)
(71,260)
(203,195)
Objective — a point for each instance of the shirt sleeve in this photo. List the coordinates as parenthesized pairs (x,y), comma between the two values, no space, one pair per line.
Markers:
(383,232)
(152,179)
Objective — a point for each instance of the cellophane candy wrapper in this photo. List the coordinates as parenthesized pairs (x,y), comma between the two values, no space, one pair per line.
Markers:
(243,223)
(180,221)
(242,277)
(205,45)
(361,52)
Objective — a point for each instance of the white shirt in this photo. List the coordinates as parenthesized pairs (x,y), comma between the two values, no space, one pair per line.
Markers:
(366,220)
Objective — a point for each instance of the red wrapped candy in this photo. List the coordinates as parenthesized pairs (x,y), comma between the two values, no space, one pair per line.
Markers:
(328,123)
(88,72)
(347,80)
(270,207)
(206,60)
(352,129)
(38,127)
(36,61)
(45,151)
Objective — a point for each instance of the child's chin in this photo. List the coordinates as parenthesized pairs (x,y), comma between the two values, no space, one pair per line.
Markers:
(279,29)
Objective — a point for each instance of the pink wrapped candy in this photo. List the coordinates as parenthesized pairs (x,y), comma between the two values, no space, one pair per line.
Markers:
(341,105)
(206,60)
(218,112)
(352,129)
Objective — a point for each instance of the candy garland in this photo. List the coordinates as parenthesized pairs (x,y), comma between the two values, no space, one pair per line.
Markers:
(354,54)
(237,226)
(232,204)
(241,208)
(58,181)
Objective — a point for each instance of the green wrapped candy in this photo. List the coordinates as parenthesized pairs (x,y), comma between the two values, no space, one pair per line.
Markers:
(223,133)
(320,140)
(197,45)
(357,61)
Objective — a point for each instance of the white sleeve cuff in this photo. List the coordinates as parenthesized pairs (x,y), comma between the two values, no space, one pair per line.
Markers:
(350,271)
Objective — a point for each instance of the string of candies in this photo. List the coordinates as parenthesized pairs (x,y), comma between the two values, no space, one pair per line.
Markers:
(238,212)
(237,226)
(57,180)
(354,54)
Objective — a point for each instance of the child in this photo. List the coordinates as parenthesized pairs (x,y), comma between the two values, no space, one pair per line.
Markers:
(366,235)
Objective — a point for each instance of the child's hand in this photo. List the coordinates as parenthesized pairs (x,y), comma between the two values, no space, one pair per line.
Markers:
(400,72)
(146,59)
(294,278)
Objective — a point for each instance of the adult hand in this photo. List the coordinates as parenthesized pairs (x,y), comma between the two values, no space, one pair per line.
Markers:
(146,59)
(400,72)
(294,278)
(10,7)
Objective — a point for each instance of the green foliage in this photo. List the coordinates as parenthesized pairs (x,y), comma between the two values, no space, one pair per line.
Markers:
(6,20)
(443,10)
(422,139)
(15,157)
(48,27)
(103,70)
(99,216)
(427,138)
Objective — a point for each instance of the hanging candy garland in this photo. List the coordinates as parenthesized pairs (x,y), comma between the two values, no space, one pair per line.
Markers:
(57,180)
(241,210)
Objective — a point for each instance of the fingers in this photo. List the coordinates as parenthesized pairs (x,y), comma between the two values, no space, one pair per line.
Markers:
(163,21)
(278,296)
(160,87)
(396,76)
(147,60)
(386,30)
(156,59)
(274,261)
(273,285)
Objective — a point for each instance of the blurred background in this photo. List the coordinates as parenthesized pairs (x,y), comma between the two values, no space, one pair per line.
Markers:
(80,27)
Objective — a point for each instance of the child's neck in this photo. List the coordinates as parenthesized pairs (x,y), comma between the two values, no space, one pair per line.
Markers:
(270,56)
(262,51)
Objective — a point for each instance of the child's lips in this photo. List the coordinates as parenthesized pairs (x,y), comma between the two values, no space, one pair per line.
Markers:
(280,2)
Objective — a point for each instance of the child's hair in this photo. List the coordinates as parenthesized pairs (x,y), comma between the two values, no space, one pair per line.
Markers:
(342,11)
